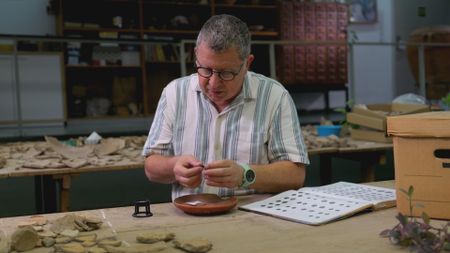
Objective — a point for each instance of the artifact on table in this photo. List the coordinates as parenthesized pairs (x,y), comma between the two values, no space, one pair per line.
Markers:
(84,238)
(137,248)
(72,247)
(2,162)
(73,221)
(109,242)
(48,242)
(4,243)
(70,152)
(93,138)
(58,154)
(70,233)
(313,141)
(154,236)
(193,245)
(23,239)
(109,146)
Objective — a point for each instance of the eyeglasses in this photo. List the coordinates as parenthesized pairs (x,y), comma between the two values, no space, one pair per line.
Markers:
(224,75)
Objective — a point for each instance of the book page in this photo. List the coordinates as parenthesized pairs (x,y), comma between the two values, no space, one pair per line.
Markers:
(318,205)
(378,196)
(307,207)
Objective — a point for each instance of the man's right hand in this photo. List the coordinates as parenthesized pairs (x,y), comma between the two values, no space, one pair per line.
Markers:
(188,171)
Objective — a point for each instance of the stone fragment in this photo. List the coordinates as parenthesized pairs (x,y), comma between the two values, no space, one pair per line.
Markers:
(63,239)
(48,242)
(138,248)
(154,236)
(74,222)
(69,152)
(83,238)
(38,228)
(109,146)
(97,250)
(2,162)
(36,164)
(93,222)
(196,245)
(40,220)
(70,233)
(75,163)
(26,223)
(46,233)
(81,226)
(4,243)
(88,243)
(24,239)
(109,242)
(73,247)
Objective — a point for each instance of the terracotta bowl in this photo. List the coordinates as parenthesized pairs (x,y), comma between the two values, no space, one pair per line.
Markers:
(205,204)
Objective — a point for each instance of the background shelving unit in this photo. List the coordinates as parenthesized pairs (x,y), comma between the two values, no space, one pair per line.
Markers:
(92,70)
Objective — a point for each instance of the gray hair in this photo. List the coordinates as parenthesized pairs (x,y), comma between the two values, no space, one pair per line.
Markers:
(222,32)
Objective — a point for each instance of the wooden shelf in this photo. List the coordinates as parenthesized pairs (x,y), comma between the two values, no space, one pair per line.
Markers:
(178,3)
(100,67)
(88,29)
(247,6)
(264,33)
(170,31)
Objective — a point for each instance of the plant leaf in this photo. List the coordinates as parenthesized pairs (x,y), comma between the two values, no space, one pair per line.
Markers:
(410,191)
(426,218)
(446,246)
(402,219)
(404,191)
(385,233)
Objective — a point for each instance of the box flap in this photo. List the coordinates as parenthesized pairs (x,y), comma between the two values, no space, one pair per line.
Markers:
(409,108)
(383,110)
(367,121)
(368,135)
(428,124)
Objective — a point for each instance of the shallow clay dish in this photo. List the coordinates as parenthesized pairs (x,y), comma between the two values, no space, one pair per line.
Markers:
(205,203)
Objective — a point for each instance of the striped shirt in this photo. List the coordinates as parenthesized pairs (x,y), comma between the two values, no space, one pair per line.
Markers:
(259,126)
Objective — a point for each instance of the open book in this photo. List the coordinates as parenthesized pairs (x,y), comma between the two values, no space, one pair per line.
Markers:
(319,205)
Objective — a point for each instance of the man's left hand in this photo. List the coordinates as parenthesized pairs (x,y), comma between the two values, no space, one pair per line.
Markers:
(223,173)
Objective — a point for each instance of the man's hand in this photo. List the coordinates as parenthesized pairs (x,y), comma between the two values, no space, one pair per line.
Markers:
(224,173)
(188,171)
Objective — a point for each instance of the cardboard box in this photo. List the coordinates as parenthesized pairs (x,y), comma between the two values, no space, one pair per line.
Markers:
(370,135)
(373,119)
(422,160)
(376,114)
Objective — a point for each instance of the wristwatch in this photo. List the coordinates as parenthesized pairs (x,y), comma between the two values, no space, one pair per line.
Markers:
(248,177)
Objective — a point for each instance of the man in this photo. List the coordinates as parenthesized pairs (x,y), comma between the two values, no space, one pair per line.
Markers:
(225,129)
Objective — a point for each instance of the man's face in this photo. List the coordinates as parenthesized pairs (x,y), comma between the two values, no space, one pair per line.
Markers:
(221,92)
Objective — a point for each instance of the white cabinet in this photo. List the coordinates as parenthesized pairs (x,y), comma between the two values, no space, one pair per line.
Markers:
(40,87)
(7,97)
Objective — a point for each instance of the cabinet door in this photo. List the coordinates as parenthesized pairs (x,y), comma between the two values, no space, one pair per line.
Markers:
(41,87)
(7,94)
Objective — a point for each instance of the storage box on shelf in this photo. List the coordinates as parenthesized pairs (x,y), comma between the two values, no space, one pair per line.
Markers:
(422,160)
(372,119)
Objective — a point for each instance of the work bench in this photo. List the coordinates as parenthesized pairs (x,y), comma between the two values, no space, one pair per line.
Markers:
(368,154)
(241,231)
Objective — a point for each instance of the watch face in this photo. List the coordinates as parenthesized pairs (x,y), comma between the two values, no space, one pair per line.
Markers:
(250,176)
